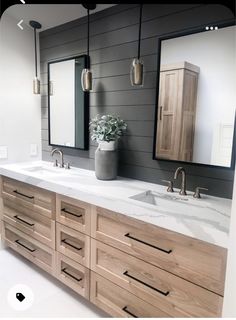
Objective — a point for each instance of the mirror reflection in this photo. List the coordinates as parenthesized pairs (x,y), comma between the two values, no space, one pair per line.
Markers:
(67,104)
(197,98)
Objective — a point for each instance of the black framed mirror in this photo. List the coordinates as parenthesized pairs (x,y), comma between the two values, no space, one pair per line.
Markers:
(196,97)
(68,104)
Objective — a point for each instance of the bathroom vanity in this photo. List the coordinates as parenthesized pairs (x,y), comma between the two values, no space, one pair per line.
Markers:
(128,246)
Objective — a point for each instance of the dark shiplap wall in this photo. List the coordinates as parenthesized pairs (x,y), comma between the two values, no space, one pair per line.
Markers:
(114,35)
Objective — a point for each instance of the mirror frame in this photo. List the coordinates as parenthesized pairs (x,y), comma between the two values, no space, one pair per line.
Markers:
(178,34)
(86,104)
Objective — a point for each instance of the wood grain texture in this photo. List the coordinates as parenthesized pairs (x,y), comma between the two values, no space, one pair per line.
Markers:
(29,197)
(114,40)
(176,111)
(73,244)
(41,255)
(194,260)
(171,294)
(73,274)
(120,303)
(73,213)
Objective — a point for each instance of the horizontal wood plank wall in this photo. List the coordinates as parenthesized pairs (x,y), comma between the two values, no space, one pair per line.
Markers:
(113,43)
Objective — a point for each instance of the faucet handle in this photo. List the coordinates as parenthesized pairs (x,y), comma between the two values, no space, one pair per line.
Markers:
(67,165)
(169,185)
(197,193)
(55,163)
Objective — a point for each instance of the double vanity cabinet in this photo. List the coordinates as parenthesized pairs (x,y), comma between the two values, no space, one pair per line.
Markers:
(125,266)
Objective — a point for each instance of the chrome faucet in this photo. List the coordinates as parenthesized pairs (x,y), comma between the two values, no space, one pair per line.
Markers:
(61,164)
(183,184)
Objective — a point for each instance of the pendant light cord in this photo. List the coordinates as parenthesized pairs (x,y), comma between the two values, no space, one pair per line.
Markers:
(88,32)
(140,29)
(36,57)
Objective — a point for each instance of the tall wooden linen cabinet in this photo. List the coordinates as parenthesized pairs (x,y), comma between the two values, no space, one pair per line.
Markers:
(177,111)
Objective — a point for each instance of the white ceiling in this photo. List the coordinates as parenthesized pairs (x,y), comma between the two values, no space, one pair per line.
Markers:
(51,15)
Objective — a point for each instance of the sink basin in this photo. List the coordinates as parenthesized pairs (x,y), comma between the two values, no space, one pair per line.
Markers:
(41,170)
(158,199)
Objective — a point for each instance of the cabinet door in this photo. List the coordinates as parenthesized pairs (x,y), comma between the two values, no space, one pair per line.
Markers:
(190,84)
(166,146)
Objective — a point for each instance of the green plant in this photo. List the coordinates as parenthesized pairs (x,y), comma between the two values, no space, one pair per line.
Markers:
(106,128)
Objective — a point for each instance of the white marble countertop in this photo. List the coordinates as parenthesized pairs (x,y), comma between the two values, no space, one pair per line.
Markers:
(205,219)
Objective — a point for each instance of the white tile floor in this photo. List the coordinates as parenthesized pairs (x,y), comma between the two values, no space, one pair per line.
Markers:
(51,298)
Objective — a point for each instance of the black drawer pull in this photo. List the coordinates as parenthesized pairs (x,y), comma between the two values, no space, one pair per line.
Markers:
(22,245)
(71,245)
(146,284)
(21,220)
(130,313)
(148,244)
(70,275)
(23,195)
(71,213)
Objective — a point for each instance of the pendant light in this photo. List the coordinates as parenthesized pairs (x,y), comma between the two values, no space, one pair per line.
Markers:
(36,82)
(136,71)
(86,76)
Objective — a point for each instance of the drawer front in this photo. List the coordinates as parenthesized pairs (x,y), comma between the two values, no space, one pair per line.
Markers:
(29,197)
(73,244)
(73,274)
(173,295)
(73,213)
(191,259)
(33,250)
(36,225)
(118,302)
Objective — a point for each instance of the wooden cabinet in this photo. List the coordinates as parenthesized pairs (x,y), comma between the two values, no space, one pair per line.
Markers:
(119,302)
(172,294)
(33,250)
(73,274)
(191,259)
(126,267)
(74,213)
(73,244)
(18,194)
(176,111)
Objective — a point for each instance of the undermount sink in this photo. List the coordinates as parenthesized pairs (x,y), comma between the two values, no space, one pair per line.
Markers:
(41,170)
(160,199)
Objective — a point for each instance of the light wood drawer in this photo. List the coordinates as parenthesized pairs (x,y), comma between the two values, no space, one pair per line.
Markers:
(73,213)
(172,294)
(23,195)
(118,302)
(32,223)
(33,250)
(73,244)
(73,274)
(194,260)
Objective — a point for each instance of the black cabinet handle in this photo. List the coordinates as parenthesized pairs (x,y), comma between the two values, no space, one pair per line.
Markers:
(22,245)
(70,275)
(21,220)
(71,213)
(148,244)
(130,313)
(69,244)
(160,113)
(23,195)
(146,284)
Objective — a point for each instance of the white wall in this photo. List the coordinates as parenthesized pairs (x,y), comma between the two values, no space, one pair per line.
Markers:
(229,307)
(214,52)
(20,114)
